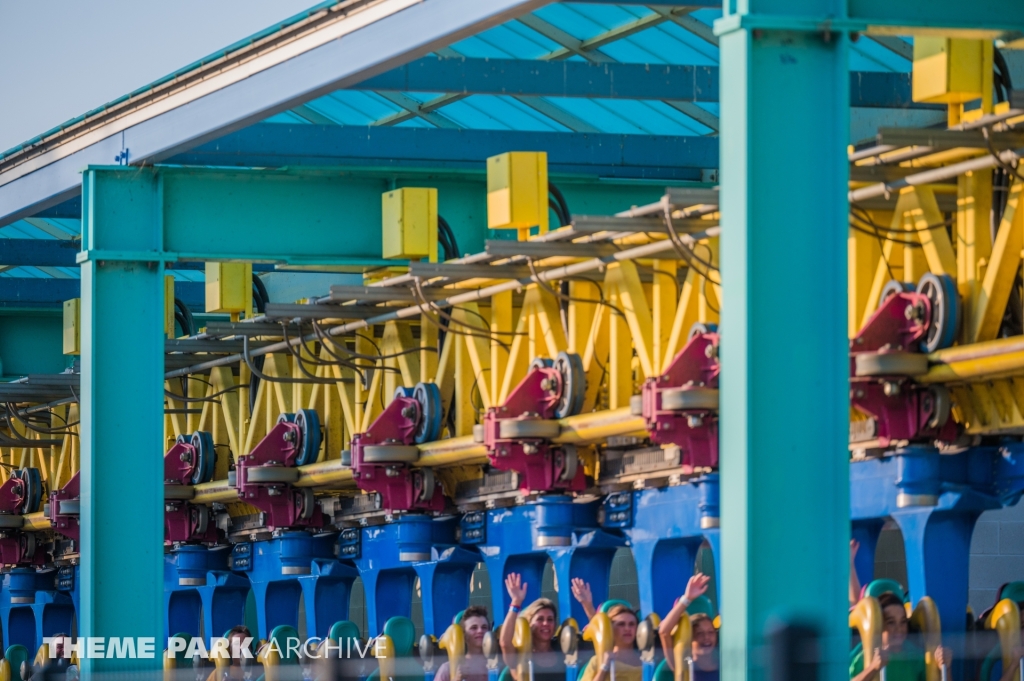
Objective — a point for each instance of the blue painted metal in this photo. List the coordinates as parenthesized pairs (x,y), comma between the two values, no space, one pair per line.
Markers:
(31,342)
(606,155)
(532,78)
(784,101)
(294,566)
(26,292)
(121,594)
(38,252)
(32,607)
(389,40)
(201,594)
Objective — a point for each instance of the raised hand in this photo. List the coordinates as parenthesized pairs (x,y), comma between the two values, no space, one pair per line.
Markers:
(696,587)
(581,592)
(516,588)
(854,545)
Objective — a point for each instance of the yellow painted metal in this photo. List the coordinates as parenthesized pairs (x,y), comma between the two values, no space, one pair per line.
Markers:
(169,305)
(623,283)
(863,253)
(928,223)
(72,317)
(973,242)
(1001,271)
(1005,619)
(947,70)
(664,295)
(384,651)
(866,618)
(502,312)
(517,192)
(925,617)
(599,632)
(522,641)
(409,223)
(682,637)
(229,287)
(453,641)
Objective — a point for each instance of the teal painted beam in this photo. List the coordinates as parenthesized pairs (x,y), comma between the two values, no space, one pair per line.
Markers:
(122,421)
(784,430)
(31,342)
(323,217)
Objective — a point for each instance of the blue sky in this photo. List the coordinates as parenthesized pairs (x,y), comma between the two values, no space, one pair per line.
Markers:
(61,58)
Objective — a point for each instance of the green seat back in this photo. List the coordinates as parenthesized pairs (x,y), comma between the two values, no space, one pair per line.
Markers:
(995,655)
(506,674)
(179,655)
(342,631)
(701,605)
(609,604)
(280,635)
(403,634)
(1014,591)
(883,586)
(17,654)
(458,617)
(663,673)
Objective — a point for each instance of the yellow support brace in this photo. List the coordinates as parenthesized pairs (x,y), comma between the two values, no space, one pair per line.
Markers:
(624,281)
(501,343)
(974,240)
(664,295)
(1006,255)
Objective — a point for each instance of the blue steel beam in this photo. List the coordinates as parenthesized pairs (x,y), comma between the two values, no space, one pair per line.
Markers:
(62,253)
(353,41)
(26,292)
(785,105)
(533,78)
(606,155)
(31,342)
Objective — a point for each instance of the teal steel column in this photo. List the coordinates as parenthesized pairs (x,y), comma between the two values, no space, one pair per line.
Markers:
(122,417)
(785,479)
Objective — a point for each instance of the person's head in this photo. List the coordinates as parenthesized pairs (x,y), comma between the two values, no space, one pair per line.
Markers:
(476,625)
(624,623)
(894,621)
(236,642)
(705,636)
(58,646)
(542,615)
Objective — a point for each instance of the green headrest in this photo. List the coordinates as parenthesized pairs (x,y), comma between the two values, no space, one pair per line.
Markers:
(506,674)
(883,586)
(663,673)
(458,617)
(403,634)
(178,654)
(344,630)
(1014,591)
(281,634)
(701,605)
(16,654)
(608,605)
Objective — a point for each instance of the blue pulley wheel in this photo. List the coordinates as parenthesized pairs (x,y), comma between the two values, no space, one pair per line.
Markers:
(206,457)
(574,384)
(428,396)
(940,289)
(700,328)
(893,287)
(309,426)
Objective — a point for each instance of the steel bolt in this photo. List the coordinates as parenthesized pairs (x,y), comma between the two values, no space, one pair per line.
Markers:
(530,448)
(409,412)
(288,436)
(891,389)
(694,420)
(186,457)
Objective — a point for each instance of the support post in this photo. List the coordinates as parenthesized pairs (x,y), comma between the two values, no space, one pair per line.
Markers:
(122,421)
(784,105)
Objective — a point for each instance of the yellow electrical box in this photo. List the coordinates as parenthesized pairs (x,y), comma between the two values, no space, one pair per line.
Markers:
(229,287)
(517,191)
(72,320)
(947,70)
(169,305)
(409,223)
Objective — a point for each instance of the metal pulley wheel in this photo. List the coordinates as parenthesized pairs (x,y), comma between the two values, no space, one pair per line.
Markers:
(206,457)
(700,328)
(890,364)
(428,396)
(200,518)
(892,287)
(574,384)
(308,422)
(427,483)
(569,462)
(646,634)
(540,363)
(568,639)
(307,503)
(945,318)
(943,406)
(33,483)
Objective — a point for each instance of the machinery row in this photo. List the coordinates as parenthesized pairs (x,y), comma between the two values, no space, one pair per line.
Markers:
(555,397)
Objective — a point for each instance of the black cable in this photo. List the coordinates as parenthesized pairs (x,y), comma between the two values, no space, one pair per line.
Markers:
(444,227)
(560,198)
(557,210)
(188,326)
(260,295)
(209,398)
(276,379)
(260,299)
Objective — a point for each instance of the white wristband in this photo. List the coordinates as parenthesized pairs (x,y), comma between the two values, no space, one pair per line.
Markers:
(685,602)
